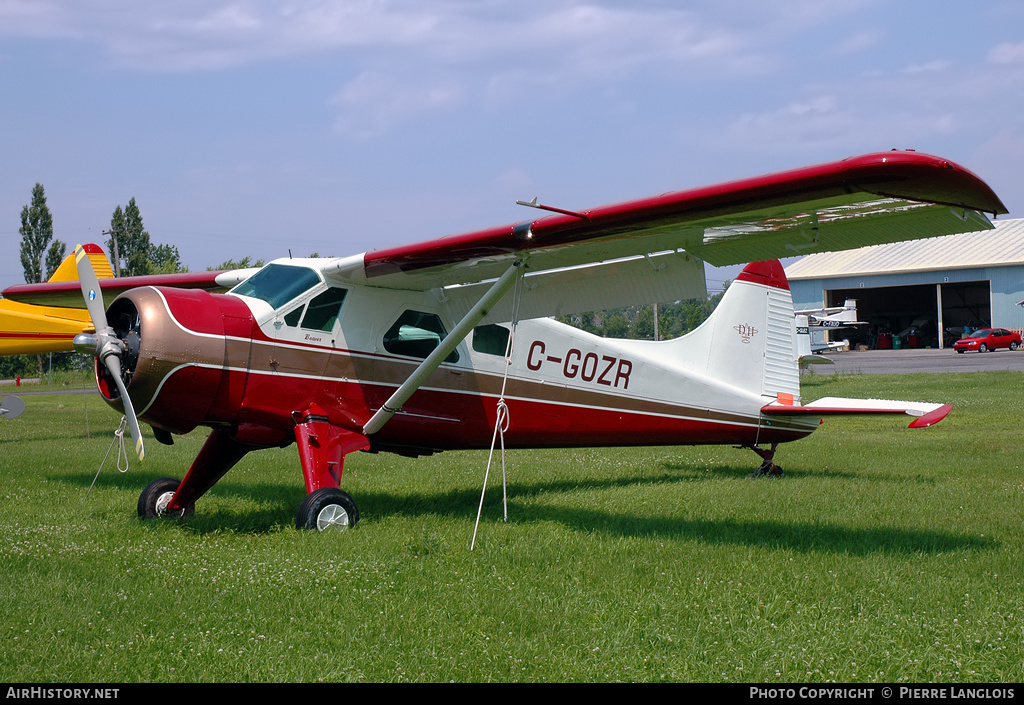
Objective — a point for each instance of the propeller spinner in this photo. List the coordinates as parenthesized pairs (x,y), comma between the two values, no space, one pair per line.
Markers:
(104,343)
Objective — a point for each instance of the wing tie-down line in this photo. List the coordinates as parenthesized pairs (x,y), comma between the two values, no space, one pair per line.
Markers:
(501,417)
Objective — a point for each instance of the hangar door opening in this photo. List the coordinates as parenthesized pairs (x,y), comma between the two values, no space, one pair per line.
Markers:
(915,313)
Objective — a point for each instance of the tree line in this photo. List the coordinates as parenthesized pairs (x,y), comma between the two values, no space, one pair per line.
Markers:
(131,250)
(131,253)
(637,322)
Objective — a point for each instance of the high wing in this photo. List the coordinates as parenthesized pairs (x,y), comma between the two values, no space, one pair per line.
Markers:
(870,199)
(651,249)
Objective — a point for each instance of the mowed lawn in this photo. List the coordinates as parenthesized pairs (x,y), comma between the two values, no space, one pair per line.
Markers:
(884,554)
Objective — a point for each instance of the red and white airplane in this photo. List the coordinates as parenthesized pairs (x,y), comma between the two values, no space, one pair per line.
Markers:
(409,349)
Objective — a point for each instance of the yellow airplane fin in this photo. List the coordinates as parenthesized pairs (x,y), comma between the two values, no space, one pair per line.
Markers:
(67,271)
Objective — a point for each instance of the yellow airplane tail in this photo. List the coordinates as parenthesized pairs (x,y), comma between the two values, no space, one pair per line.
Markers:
(67,271)
(27,328)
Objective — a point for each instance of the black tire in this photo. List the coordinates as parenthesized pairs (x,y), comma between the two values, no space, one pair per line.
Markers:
(982,348)
(1013,345)
(154,499)
(327,508)
(959,352)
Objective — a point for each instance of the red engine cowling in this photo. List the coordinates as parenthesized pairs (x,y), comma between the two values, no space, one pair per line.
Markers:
(186,355)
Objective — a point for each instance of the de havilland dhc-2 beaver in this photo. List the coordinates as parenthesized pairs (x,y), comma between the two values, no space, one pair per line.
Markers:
(409,349)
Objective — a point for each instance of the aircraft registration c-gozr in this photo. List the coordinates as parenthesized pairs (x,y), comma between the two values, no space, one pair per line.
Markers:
(404,349)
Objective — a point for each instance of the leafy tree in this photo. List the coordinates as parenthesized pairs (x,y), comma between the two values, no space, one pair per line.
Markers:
(54,256)
(643,324)
(36,236)
(616,326)
(166,260)
(637,322)
(134,247)
(132,241)
(243,263)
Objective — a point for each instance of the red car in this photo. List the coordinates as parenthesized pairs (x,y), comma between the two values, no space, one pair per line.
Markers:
(985,339)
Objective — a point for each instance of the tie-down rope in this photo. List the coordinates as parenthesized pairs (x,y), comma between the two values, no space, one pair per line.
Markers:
(502,418)
(122,453)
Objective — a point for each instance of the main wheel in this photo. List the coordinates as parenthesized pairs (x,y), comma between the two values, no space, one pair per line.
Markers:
(1013,345)
(983,348)
(327,509)
(154,499)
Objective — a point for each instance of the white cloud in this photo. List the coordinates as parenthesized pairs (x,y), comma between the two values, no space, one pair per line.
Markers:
(191,35)
(858,42)
(1007,53)
(373,102)
(816,119)
(935,66)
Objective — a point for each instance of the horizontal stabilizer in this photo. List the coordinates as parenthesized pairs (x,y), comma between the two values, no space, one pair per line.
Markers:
(927,414)
(814,359)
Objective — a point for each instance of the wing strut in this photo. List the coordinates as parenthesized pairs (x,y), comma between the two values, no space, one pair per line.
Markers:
(458,334)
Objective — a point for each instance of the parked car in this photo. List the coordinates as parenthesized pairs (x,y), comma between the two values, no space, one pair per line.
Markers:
(985,339)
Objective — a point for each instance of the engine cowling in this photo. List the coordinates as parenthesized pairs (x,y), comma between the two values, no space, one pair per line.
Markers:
(186,355)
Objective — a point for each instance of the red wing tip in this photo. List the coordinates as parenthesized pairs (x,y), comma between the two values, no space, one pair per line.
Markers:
(932,417)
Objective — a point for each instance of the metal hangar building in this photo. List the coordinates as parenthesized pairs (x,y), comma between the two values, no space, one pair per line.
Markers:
(924,291)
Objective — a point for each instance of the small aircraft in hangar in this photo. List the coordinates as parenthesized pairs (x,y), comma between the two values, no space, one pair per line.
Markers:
(409,349)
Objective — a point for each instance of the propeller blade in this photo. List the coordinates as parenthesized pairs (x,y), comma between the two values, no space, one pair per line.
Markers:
(90,289)
(104,344)
(113,364)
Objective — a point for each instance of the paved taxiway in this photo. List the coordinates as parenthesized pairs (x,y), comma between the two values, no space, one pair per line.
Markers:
(897,361)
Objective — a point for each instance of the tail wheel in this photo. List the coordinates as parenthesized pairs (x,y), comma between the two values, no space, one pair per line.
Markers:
(154,499)
(327,509)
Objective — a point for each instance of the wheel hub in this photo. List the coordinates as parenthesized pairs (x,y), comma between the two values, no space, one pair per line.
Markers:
(161,503)
(332,517)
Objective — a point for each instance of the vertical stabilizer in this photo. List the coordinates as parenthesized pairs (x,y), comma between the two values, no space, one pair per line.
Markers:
(67,271)
(749,342)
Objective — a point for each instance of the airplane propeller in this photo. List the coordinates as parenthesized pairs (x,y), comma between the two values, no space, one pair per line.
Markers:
(104,343)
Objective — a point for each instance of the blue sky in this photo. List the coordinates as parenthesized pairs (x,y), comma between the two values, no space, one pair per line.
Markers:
(255,127)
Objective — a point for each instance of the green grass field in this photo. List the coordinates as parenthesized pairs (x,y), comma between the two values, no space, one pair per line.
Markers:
(884,554)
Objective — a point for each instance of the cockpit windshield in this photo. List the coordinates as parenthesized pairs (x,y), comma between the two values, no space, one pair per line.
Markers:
(277,284)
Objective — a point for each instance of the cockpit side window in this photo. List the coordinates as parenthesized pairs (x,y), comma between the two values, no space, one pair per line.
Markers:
(324,309)
(277,284)
(491,339)
(416,334)
(291,318)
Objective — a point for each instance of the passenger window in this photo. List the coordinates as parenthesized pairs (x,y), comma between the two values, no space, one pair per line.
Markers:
(416,334)
(323,310)
(491,339)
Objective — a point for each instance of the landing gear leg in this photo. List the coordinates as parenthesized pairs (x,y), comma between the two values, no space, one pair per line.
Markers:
(768,468)
(322,450)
